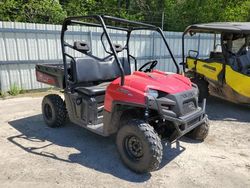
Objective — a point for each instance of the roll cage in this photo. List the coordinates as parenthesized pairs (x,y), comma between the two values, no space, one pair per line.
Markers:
(116,24)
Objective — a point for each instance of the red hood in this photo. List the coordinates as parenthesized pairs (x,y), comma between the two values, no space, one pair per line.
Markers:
(166,82)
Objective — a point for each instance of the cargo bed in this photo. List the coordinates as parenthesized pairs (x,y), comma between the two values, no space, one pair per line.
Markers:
(52,74)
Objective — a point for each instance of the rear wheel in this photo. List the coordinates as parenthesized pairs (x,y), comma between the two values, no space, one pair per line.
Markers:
(203,88)
(54,110)
(139,146)
(200,132)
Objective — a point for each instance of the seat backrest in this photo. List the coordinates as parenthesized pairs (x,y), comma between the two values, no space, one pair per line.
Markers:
(216,55)
(126,65)
(92,70)
(248,55)
(244,61)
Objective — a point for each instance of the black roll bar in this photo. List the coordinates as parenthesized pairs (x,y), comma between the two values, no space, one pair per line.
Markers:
(100,19)
(183,52)
(69,21)
(128,21)
(113,49)
(170,52)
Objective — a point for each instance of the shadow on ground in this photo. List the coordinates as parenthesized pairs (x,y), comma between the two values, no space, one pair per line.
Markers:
(95,152)
(100,153)
(218,109)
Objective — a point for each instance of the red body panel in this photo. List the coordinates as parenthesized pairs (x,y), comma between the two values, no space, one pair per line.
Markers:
(135,86)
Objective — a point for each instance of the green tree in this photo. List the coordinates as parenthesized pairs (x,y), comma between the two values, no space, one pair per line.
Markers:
(237,11)
(43,11)
(112,7)
(181,13)
(178,13)
(9,10)
(77,7)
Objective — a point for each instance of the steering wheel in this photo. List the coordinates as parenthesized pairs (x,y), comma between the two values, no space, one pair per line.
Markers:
(151,67)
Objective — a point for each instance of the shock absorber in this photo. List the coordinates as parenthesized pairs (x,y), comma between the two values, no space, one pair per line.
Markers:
(146,113)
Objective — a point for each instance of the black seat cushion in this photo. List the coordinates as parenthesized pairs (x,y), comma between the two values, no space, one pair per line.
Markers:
(240,63)
(92,70)
(93,90)
(244,62)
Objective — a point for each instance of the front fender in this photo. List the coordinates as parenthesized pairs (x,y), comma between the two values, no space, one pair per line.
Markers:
(116,93)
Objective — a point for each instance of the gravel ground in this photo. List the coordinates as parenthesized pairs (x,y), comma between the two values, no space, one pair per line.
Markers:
(35,155)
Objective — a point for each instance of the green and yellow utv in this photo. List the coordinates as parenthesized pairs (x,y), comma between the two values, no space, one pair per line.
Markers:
(225,73)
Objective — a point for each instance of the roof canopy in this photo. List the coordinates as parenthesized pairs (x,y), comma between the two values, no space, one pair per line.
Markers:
(220,27)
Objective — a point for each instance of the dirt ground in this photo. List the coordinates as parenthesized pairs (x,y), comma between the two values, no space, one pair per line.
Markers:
(32,154)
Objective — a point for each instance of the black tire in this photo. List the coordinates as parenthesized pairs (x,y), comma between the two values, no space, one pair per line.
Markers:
(139,146)
(199,133)
(54,110)
(203,88)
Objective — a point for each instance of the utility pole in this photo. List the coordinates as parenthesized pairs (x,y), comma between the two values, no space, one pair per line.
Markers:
(119,4)
(162,20)
(127,2)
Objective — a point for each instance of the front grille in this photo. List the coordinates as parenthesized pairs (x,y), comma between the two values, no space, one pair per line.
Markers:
(188,107)
(192,122)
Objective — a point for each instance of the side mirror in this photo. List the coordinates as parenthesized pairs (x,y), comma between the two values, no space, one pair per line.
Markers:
(193,54)
(81,46)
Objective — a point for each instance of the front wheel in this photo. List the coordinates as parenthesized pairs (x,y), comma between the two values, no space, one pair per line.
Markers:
(200,132)
(139,146)
(203,88)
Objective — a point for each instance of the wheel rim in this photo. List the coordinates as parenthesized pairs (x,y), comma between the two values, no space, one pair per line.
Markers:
(133,147)
(48,111)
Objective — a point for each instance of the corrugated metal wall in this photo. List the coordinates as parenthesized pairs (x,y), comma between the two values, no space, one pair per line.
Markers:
(23,45)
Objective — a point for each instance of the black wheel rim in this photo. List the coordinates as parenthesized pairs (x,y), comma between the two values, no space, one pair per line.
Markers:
(48,112)
(133,147)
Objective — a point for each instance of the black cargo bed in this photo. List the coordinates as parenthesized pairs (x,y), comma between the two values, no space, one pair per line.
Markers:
(52,74)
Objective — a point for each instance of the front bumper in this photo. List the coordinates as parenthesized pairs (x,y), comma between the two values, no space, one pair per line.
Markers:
(186,123)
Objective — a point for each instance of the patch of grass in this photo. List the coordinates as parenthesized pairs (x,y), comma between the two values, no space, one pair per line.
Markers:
(2,94)
(22,91)
(14,90)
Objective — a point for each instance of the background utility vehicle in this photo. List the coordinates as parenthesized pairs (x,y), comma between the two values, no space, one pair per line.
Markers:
(226,72)
(103,96)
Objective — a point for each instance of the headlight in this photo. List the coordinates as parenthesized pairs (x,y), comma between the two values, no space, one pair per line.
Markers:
(196,90)
(153,93)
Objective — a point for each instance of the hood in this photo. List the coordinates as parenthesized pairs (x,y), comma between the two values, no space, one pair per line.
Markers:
(167,82)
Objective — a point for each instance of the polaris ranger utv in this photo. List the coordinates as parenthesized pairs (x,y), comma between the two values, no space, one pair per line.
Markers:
(105,97)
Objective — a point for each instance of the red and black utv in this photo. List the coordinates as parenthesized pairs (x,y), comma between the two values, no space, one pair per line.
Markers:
(105,97)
